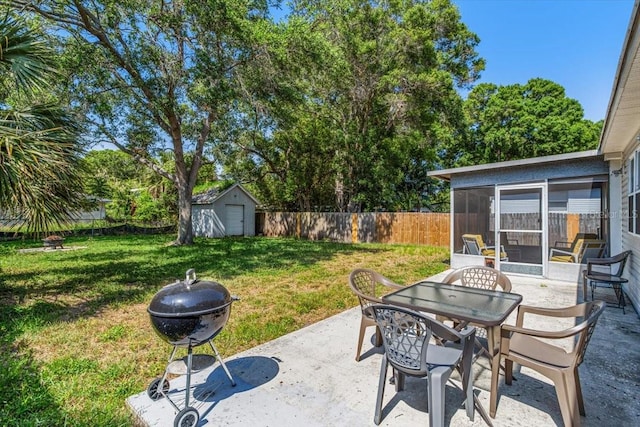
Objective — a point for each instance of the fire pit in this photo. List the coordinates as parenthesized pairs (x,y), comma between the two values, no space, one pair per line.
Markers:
(187,314)
(53,242)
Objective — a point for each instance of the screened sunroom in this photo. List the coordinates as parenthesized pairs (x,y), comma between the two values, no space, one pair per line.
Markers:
(541,216)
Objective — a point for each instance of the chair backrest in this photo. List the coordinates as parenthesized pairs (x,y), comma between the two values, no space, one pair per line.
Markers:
(618,262)
(577,240)
(591,249)
(614,265)
(369,287)
(576,246)
(591,311)
(473,243)
(588,312)
(406,335)
(479,277)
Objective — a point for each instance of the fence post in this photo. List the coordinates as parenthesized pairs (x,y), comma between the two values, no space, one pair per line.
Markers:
(354,228)
(298,225)
(573,226)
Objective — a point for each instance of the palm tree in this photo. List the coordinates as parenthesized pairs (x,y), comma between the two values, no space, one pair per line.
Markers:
(39,153)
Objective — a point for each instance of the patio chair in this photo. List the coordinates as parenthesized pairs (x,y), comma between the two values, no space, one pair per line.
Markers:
(369,286)
(406,335)
(571,246)
(533,349)
(477,277)
(583,250)
(474,245)
(608,272)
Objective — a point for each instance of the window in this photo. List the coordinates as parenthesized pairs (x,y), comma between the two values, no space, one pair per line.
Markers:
(473,209)
(576,206)
(634,192)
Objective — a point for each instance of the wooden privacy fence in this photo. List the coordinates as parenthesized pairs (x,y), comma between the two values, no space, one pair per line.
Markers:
(416,228)
(413,228)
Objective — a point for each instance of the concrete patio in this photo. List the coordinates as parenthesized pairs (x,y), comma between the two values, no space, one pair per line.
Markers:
(310,378)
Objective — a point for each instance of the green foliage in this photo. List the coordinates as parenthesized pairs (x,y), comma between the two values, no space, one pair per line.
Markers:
(39,154)
(352,104)
(146,208)
(521,121)
(134,193)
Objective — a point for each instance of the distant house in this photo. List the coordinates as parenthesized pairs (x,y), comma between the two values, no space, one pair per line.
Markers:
(230,212)
(96,210)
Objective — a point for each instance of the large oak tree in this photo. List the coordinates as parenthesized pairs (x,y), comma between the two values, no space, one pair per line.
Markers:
(154,75)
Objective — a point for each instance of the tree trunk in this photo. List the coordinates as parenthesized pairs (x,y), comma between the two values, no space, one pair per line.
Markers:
(185,228)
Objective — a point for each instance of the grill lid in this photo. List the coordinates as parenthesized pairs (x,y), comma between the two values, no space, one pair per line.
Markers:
(190,297)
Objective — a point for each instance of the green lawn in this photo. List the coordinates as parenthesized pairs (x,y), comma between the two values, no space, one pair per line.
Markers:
(75,338)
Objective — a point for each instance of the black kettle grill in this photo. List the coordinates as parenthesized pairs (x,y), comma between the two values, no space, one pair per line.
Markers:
(187,314)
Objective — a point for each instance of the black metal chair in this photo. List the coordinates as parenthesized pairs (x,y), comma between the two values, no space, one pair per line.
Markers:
(406,335)
(607,272)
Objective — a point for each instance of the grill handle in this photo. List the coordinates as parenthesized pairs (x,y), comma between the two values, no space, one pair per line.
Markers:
(191,277)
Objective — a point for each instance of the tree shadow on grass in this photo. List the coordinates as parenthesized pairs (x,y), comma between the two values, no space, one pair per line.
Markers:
(25,399)
(127,275)
(77,284)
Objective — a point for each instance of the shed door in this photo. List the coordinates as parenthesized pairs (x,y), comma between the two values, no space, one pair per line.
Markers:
(234,220)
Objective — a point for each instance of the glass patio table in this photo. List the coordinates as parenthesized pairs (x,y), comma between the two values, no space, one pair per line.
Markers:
(483,307)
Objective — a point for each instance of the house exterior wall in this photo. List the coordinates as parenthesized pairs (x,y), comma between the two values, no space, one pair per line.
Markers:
(630,241)
(97,214)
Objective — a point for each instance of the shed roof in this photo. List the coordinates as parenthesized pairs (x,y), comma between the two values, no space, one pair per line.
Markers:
(446,174)
(213,194)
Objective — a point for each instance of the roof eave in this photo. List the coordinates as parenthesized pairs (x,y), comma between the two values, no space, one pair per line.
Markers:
(445,174)
(628,67)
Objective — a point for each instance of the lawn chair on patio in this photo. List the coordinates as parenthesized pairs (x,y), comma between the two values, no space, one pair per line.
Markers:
(369,286)
(607,272)
(474,245)
(571,246)
(526,347)
(406,335)
(583,250)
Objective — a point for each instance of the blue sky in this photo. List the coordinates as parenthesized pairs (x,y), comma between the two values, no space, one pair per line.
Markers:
(575,43)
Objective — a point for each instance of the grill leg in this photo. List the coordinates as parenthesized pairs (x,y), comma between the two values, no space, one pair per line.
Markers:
(215,350)
(189,366)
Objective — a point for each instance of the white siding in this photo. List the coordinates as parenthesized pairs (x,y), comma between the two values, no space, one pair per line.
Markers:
(205,222)
(630,241)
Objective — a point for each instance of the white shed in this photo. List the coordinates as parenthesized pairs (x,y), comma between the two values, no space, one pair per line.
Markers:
(231,212)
